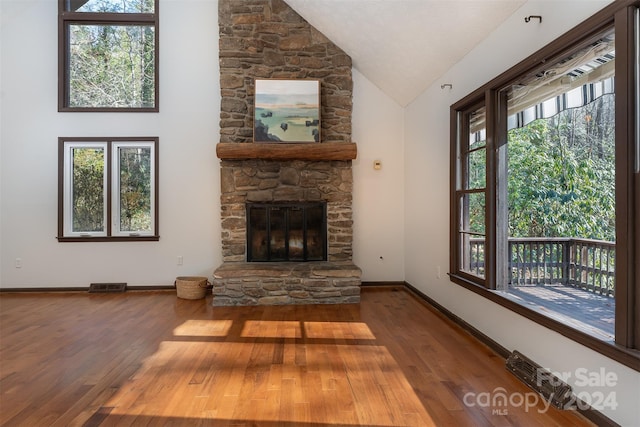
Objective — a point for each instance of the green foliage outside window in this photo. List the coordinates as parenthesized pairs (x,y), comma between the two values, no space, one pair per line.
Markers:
(117,6)
(108,188)
(135,189)
(88,189)
(112,66)
(561,177)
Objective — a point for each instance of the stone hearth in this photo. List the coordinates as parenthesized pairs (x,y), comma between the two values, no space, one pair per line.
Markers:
(252,283)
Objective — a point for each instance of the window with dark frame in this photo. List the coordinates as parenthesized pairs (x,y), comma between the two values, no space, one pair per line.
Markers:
(471,191)
(487,259)
(108,55)
(107,189)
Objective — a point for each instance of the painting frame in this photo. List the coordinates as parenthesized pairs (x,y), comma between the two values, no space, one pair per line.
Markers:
(286,111)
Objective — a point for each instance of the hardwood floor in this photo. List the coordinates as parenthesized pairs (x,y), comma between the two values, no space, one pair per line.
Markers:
(148,358)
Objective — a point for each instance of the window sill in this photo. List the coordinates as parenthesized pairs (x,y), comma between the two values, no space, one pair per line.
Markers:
(62,109)
(109,239)
(623,355)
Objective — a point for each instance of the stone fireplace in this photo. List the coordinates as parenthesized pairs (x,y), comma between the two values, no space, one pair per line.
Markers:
(267,39)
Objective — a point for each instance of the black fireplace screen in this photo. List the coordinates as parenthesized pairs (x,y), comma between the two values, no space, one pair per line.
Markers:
(287,231)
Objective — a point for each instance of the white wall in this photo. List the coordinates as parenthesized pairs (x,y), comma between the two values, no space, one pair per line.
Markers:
(378,195)
(2,24)
(427,202)
(187,126)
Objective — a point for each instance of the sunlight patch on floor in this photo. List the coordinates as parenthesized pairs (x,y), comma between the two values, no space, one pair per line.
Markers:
(203,328)
(247,384)
(344,330)
(271,329)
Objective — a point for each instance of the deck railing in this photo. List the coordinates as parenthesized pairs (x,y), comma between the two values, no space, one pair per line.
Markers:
(582,263)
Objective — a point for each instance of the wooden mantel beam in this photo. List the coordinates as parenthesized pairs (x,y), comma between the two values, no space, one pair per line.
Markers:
(285,151)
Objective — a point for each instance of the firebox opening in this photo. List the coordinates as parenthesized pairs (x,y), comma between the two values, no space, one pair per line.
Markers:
(286,231)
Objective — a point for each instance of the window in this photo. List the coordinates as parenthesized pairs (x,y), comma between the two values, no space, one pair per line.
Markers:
(471,192)
(108,55)
(545,162)
(108,189)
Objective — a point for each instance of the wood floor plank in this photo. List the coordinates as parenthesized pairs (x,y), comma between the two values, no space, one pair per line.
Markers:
(148,358)
(287,405)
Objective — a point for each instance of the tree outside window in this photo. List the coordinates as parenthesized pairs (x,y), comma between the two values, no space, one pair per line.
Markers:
(108,55)
(542,219)
(108,189)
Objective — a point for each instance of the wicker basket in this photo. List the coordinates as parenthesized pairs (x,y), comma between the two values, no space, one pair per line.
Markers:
(191,287)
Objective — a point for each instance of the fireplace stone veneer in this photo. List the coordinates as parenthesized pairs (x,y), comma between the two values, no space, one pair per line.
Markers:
(237,282)
(266,39)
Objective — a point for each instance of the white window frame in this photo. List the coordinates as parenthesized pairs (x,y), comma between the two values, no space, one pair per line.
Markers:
(111,185)
(68,189)
(115,181)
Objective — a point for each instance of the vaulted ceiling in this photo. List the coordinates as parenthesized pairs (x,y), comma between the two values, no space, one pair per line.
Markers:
(404,46)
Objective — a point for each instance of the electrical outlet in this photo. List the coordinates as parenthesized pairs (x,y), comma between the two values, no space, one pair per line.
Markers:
(180,260)
(438,272)
(18,263)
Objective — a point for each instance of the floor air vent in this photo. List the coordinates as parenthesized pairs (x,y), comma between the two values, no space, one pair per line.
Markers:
(107,287)
(552,388)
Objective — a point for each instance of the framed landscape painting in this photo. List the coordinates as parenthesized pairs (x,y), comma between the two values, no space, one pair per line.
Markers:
(287,111)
